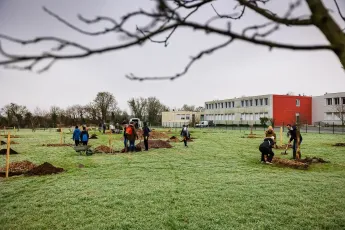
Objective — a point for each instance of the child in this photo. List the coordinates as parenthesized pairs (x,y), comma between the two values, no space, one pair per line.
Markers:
(185,135)
(76,136)
(266,150)
(146,134)
(84,136)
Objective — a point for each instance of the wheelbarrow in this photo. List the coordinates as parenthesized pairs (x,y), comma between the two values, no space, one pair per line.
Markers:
(83,148)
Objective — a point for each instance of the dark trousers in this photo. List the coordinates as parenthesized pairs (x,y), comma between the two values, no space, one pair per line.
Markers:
(185,140)
(84,142)
(266,152)
(76,142)
(294,148)
(132,146)
(125,142)
(146,142)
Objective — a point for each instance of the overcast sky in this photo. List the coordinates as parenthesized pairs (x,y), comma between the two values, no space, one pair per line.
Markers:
(240,69)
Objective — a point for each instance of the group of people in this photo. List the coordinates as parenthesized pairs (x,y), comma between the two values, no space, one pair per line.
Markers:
(82,136)
(130,135)
(269,143)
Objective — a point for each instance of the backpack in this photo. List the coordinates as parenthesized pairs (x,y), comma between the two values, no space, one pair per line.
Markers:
(129,131)
(84,137)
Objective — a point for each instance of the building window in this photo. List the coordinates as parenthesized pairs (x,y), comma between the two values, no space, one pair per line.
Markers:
(242,103)
(266,101)
(222,105)
(329,101)
(298,103)
(251,102)
(343,99)
(216,105)
(247,103)
(336,101)
(187,117)
(256,102)
(233,104)
(226,105)
(328,116)
(261,101)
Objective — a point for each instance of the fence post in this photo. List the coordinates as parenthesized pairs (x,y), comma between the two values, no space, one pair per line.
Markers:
(333,127)
(255,125)
(306,127)
(319,127)
(283,127)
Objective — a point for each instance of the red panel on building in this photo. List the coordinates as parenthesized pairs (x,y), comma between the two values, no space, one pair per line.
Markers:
(286,109)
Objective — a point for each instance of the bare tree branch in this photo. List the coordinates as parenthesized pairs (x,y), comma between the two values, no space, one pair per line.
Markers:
(339,11)
(230,16)
(191,62)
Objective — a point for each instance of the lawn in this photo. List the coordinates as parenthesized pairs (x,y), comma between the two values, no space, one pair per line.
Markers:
(216,183)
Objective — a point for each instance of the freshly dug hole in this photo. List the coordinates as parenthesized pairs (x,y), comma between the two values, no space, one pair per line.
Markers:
(12,143)
(173,139)
(4,151)
(289,163)
(339,144)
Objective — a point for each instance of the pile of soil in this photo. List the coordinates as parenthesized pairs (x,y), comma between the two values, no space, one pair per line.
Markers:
(103,149)
(12,143)
(44,169)
(173,139)
(4,151)
(93,136)
(289,163)
(310,160)
(339,144)
(154,134)
(17,168)
(57,145)
(155,144)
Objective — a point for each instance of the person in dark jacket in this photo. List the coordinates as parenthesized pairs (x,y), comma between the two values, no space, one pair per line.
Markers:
(125,139)
(84,136)
(293,137)
(266,150)
(146,134)
(185,135)
(131,136)
(104,128)
(76,136)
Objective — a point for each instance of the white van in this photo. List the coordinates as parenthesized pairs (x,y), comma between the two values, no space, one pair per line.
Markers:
(138,123)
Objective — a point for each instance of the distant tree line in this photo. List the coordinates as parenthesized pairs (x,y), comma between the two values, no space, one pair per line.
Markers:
(104,108)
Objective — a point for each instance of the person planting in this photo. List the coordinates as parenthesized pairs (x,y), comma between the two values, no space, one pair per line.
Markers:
(185,135)
(146,134)
(266,150)
(131,136)
(76,136)
(84,136)
(293,137)
(270,133)
(125,139)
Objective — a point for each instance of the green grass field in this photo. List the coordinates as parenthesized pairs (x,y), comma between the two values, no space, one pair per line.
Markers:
(216,183)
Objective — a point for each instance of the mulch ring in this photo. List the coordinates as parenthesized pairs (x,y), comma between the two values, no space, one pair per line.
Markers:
(339,144)
(173,139)
(17,168)
(93,136)
(104,149)
(12,143)
(4,151)
(44,169)
(30,169)
(57,145)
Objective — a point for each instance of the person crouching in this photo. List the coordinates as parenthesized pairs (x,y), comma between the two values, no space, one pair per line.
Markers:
(266,150)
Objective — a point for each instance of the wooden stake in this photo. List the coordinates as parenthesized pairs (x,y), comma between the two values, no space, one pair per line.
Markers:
(61,136)
(8,153)
(281,136)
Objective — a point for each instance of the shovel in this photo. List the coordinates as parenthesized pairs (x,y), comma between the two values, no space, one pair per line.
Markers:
(284,153)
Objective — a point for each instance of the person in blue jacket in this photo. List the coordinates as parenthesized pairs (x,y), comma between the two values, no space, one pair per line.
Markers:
(84,136)
(76,136)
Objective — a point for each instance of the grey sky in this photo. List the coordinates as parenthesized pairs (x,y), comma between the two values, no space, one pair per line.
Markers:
(240,69)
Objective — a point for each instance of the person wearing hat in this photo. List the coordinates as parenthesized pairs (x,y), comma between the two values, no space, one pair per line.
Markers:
(266,150)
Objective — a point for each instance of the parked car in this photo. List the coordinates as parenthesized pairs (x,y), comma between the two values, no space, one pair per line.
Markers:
(205,124)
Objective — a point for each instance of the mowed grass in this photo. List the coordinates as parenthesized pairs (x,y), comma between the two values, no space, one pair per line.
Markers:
(216,183)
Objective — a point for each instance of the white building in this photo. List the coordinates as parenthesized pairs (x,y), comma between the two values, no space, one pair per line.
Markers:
(328,108)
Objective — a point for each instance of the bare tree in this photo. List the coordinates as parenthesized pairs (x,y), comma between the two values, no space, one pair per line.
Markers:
(170,15)
(340,112)
(138,107)
(154,110)
(105,102)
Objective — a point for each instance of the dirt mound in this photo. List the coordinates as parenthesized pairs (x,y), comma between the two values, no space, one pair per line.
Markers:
(17,168)
(339,144)
(310,160)
(103,149)
(289,163)
(57,145)
(173,139)
(94,136)
(12,143)
(4,151)
(44,169)
(155,144)
(154,134)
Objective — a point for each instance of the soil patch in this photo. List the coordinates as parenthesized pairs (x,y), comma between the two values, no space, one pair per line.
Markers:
(310,160)
(155,144)
(12,143)
(57,145)
(17,168)
(103,149)
(4,151)
(289,163)
(173,139)
(339,144)
(44,169)
(93,136)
